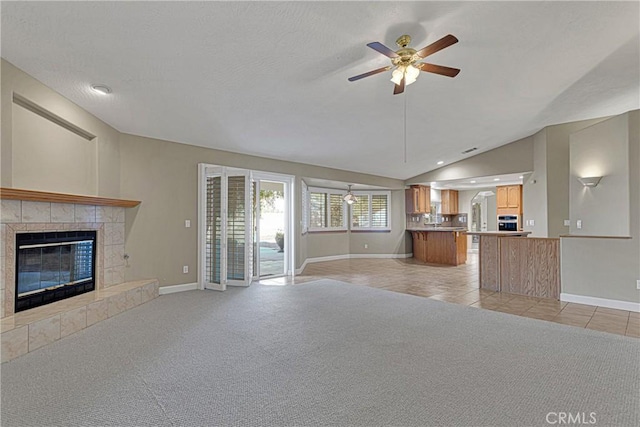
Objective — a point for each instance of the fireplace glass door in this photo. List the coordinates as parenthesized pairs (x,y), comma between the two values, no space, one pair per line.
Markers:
(227,226)
(52,266)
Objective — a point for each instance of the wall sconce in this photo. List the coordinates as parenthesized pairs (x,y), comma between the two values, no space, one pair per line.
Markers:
(590,181)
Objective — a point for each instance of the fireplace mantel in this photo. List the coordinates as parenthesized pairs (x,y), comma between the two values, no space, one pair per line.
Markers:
(44,196)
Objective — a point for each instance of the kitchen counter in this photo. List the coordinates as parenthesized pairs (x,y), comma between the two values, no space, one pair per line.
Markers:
(438,229)
(499,233)
(512,262)
(440,245)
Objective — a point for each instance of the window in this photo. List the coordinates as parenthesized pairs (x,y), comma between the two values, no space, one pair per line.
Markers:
(327,210)
(371,211)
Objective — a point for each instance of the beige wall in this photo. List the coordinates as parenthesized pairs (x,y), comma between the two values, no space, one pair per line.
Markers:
(609,268)
(516,157)
(557,143)
(164,176)
(395,242)
(601,150)
(53,146)
(534,189)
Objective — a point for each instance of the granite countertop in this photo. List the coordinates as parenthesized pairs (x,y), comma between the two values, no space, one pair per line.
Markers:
(500,233)
(438,229)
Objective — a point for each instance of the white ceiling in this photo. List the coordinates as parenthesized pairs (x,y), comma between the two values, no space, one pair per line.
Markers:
(270,78)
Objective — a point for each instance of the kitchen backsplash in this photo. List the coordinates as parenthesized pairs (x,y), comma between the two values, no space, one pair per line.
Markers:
(426,221)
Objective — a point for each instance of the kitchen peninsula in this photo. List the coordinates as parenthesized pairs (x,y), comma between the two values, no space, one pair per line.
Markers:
(526,266)
(440,245)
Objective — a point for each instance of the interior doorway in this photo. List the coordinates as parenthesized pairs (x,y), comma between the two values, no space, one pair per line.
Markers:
(479,217)
(269,231)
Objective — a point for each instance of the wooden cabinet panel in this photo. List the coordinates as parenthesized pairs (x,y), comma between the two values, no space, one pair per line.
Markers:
(440,247)
(509,199)
(489,263)
(513,196)
(502,197)
(417,199)
(449,202)
(530,266)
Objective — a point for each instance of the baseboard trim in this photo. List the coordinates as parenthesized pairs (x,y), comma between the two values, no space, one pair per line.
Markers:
(172,289)
(602,302)
(348,256)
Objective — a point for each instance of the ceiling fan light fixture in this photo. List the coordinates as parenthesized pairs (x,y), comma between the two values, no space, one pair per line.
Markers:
(411,74)
(350,198)
(397,75)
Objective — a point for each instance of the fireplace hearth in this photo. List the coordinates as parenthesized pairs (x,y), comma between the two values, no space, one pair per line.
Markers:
(52,266)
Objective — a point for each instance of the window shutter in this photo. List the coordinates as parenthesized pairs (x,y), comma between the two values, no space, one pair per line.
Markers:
(379,211)
(336,210)
(360,212)
(318,210)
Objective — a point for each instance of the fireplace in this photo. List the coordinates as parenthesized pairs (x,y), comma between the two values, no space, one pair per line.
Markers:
(53,266)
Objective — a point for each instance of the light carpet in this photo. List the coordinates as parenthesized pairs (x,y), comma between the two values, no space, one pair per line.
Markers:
(323,353)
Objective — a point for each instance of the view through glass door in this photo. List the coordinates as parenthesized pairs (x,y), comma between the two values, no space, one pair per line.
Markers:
(269,228)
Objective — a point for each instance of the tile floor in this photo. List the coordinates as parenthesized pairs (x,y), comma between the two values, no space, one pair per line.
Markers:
(460,285)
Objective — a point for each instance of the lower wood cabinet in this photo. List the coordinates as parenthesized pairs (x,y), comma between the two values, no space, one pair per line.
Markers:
(440,247)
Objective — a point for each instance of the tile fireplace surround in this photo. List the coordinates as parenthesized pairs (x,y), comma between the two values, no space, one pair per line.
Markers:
(19,216)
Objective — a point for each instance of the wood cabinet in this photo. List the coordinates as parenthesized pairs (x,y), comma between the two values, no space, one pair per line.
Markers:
(509,199)
(418,199)
(440,247)
(449,202)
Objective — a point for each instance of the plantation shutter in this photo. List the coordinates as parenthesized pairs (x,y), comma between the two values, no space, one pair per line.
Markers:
(360,212)
(336,210)
(318,210)
(379,211)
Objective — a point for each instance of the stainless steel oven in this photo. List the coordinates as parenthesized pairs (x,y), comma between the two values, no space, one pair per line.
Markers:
(507,222)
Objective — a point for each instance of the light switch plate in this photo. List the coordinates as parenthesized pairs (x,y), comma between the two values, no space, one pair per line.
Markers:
(638,283)
(579,224)
(567,223)
(532,222)
(187,223)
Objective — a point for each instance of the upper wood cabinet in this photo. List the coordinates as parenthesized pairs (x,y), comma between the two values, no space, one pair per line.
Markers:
(449,202)
(509,197)
(418,199)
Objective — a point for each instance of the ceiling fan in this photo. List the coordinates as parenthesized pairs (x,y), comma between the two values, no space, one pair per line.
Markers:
(405,61)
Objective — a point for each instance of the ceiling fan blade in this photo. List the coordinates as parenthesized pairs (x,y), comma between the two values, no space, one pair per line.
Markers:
(438,69)
(434,47)
(370,73)
(399,88)
(379,47)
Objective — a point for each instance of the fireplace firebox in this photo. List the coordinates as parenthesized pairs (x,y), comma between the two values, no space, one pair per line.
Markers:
(53,266)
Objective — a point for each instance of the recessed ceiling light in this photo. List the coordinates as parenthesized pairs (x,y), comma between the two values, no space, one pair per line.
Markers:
(496,179)
(101,89)
(473,182)
(440,162)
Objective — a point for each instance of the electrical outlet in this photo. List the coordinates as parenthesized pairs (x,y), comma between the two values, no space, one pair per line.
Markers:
(579,224)
(366,246)
(185,269)
(638,283)
(532,222)
(567,223)
(187,223)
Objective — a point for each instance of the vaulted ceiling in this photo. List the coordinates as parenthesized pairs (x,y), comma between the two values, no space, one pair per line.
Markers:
(270,78)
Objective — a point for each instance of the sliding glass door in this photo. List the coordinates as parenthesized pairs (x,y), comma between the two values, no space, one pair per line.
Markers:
(225,236)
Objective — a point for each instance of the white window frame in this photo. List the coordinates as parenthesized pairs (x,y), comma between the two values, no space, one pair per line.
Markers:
(327,191)
(306,208)
(369,194)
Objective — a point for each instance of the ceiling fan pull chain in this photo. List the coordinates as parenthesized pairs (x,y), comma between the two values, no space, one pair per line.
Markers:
(405,127)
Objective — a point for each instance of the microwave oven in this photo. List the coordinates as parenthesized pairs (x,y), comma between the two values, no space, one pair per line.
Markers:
(508,222)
